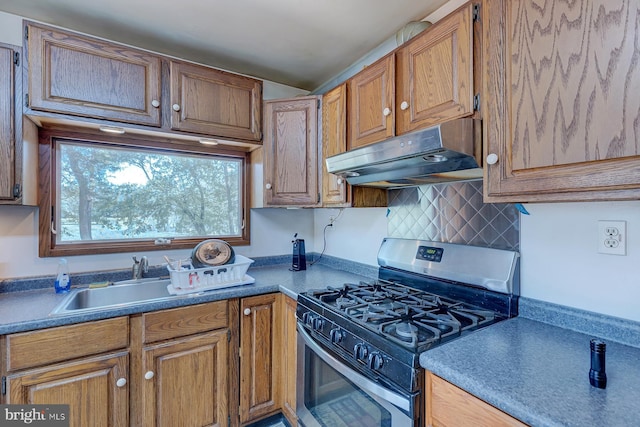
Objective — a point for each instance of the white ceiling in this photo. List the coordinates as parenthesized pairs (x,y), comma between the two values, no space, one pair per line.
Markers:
(300,43)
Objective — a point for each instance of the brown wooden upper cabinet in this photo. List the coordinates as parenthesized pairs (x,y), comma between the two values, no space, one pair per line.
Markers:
(561,112)
(7,124)
(427,81)
(435,74)
(79,75)
(213,102)
(371,103)
(291,152)
(334,137)
(335,190)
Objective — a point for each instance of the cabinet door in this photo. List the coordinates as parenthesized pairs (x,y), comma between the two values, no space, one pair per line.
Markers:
(72,74)
(435,74)
(371,114)
(212,102)
(95,389)
(185,381)
(561,109)
(291,152)
(260,350)
(334,141)
(288,359)
(7,129)
(450,406)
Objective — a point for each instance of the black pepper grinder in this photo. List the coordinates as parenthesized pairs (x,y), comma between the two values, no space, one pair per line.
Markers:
(597,374)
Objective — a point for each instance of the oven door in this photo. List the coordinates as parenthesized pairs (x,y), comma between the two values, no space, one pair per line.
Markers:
(331,394)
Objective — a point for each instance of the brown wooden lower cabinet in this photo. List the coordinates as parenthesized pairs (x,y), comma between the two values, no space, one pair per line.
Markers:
(215,364)
(450,406)
(95,388)
(165,368)
(260,347)
(289,359)
(186,381)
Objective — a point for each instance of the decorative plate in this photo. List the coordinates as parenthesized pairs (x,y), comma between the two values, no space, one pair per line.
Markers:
(212,252)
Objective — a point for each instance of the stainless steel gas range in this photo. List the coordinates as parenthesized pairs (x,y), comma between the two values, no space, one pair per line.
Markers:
(359,343)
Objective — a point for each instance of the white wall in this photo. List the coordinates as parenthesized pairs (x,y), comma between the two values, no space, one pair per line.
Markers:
(356,234)
(560,263)
(272,231)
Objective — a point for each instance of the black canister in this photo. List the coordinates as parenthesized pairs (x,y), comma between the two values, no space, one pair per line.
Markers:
(597,374)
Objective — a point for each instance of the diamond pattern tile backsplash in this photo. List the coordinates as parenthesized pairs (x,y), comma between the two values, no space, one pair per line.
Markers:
(453,212)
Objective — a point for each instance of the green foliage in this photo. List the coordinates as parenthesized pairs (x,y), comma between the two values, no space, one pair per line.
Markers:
(115,193)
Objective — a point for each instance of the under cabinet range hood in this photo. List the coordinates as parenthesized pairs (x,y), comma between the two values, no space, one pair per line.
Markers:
(442,153)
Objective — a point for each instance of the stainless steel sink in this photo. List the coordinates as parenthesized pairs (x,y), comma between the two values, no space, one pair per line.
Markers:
(120,294)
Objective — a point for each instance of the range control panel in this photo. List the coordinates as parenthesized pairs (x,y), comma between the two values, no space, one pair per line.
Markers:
(429,253)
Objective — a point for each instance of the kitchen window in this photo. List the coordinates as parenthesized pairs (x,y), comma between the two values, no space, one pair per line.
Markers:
(123,194)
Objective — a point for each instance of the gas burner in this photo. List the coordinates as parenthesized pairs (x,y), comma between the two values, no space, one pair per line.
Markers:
(406,330)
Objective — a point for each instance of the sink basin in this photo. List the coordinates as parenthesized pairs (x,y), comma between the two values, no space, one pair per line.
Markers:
(120,294)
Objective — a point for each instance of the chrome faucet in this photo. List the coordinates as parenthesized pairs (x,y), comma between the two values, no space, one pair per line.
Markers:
(140,267)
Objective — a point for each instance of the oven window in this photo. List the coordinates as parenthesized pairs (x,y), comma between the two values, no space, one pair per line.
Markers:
(335,402)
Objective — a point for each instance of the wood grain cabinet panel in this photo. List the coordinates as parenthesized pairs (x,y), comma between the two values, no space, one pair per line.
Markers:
(95,389)
(371,113)
(291,152)
(213,102)
(289,359)
(186,381)
(334,141)
(260,352)
(435,73)
(450,406)
(561,109)
(335,190)
(78,75)
(7,123)
(42,347)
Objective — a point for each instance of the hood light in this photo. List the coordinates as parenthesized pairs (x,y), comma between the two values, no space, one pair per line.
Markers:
(112,129)
(435,158)
(205,141)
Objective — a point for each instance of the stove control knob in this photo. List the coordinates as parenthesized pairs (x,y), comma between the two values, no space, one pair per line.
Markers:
(317,323)
(306,318)
(360,351)
(336,335)
(375,361)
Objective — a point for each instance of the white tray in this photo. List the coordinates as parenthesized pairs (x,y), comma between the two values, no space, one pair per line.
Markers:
(246,280)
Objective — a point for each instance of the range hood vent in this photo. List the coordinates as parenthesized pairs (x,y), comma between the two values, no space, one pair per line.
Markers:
(442,153)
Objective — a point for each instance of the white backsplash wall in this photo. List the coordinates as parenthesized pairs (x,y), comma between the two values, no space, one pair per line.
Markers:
(356,234)
(560,263)
(271,234)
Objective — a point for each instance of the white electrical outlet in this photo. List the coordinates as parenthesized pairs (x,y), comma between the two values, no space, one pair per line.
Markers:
(612,237)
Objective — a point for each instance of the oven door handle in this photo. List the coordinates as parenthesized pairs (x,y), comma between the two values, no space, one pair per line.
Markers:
(360,380)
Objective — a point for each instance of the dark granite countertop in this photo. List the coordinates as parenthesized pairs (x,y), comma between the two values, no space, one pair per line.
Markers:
(30,309)
(539,372)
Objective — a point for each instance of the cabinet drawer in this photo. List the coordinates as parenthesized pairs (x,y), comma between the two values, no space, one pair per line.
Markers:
(37,348)
(167,324)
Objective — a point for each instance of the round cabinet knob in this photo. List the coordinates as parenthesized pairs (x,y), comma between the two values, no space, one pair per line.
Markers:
(360,351)
(121,382)
(268,186)
(386,111)
(404,105)
(336,336)
(148,375)
(375,361)
(155,103)
(340,181)
(176,107)
(247,311)
(492,159)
